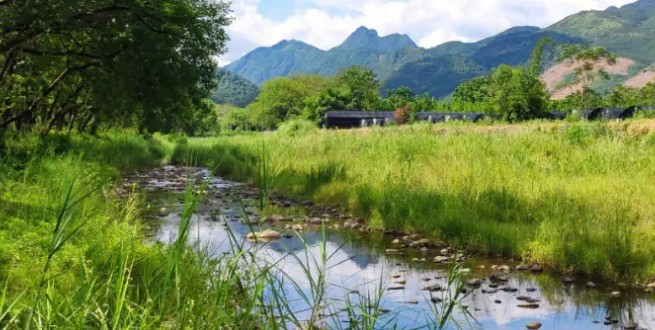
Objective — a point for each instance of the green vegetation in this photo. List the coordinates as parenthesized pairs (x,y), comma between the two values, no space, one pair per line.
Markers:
(571,196)
(586,59)
(234,90)
(73,253)
(621,97)
(88,65)
(626,31)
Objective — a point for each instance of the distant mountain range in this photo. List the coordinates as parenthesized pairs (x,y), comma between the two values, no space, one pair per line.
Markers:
(628,31)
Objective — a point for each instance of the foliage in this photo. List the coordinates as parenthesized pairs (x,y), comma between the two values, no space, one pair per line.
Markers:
(284,98)
(398,98)
(234,89)
(514,93)
(86,64)
(403,115)
(585,61)
(546,193)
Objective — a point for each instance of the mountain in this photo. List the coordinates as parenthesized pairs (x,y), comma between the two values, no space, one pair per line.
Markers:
(364,47)
(233,89)
(364,38)
(398,61)
(283,59)
(627,31)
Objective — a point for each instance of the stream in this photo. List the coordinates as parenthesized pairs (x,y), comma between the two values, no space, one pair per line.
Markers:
(361,261)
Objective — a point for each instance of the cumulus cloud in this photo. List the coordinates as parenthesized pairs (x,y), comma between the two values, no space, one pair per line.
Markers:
(326,23)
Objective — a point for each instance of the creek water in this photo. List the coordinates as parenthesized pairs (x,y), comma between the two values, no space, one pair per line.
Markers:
(361,262)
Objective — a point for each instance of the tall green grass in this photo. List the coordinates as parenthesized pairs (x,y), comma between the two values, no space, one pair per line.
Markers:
(74,255)
(576,196)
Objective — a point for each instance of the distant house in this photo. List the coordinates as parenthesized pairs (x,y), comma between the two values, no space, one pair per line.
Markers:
(588,114)
(431,117)
(437,117)
(352,119)
(556,115)
(615,113)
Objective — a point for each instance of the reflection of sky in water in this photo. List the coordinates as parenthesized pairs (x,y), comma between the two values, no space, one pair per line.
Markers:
(353,266)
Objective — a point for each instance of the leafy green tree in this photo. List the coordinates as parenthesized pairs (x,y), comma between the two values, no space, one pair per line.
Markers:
(518,94)
(425,103)
(398,98)
(237,119)
(586,61)
(89,63)
(354,88)
(361,88)
(284,98)
(475,90)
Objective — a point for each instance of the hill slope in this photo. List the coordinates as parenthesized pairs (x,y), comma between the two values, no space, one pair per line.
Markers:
(233,89)
(627,31)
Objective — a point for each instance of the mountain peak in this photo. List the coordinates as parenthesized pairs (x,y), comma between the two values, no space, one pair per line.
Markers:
(365,38)
(641,4)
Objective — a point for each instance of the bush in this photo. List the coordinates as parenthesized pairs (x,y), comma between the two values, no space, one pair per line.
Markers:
(297,126)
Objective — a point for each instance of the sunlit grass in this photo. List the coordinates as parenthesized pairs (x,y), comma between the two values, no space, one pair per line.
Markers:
(572,195)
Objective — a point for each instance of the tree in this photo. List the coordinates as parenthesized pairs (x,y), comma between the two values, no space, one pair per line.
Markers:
(398,98)
(518,94)
(354,89)
(586,61)
(361,87)
(87,63)
(284,98)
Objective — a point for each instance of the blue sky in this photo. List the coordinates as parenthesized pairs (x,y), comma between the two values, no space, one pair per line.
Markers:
(326,23)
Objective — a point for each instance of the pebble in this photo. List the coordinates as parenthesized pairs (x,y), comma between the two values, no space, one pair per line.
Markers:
(529,305)
(591,285)
(522,267)
(412,301)
(537,269)
(396,287)
(615,294)
(533,326)
(441,259)
(567,280)
(432,287)
(630,326)
(474,282)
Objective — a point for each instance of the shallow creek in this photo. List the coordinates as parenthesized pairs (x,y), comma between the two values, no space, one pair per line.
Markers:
(361,260)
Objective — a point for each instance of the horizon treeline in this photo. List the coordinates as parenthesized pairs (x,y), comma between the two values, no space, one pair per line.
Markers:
(510,93)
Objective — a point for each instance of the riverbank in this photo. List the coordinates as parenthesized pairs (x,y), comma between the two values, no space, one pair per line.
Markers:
(73,252)
(574,197)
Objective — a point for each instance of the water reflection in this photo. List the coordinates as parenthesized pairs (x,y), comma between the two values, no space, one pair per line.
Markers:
(358,264)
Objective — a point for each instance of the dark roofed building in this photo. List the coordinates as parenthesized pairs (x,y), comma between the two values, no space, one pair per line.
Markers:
(437,117)
(556,115)
(352,119)
(588,114)
(615,113)
(432,117)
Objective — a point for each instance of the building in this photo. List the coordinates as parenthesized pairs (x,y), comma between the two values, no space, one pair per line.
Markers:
(353,119)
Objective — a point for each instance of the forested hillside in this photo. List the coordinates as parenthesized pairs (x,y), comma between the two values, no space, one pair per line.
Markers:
(397,61)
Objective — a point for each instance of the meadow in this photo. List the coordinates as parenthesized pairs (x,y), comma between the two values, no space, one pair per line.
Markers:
(574,196)
(73,253)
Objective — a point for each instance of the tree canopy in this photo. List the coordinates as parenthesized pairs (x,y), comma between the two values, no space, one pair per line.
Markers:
(88,63)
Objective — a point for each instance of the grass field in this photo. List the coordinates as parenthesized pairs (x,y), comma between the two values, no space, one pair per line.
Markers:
(73,254)
(575,196)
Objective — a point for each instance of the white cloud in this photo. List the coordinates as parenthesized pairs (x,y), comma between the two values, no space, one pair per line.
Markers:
(428,22)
